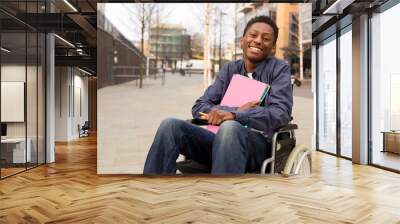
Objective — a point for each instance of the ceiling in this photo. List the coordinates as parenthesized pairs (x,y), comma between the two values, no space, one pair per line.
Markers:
(329,14)
(75,43)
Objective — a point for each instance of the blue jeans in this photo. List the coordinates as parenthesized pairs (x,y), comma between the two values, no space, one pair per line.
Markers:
(234,149)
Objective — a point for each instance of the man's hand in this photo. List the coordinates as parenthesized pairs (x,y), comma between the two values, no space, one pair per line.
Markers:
(249,105)
(216,117)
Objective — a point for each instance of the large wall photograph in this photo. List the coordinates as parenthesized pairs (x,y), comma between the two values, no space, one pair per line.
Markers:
(158,65)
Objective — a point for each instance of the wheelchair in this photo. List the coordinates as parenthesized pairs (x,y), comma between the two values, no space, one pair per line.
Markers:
(287,158)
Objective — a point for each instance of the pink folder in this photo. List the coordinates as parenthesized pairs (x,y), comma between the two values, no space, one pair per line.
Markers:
(240,91)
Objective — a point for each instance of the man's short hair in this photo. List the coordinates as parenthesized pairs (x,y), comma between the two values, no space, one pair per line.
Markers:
(266,20)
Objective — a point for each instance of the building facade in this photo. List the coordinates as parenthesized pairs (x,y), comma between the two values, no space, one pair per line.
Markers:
(287,18)
(169,44)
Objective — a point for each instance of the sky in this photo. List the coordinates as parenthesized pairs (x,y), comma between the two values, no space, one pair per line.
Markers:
(190,15)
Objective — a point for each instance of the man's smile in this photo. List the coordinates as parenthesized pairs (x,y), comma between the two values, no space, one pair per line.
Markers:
(255,50)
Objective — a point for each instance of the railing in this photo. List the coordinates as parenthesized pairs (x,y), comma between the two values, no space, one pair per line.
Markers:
(127,71)
(137,73)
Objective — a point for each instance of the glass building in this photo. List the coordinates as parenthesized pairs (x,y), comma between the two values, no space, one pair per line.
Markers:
(169,43)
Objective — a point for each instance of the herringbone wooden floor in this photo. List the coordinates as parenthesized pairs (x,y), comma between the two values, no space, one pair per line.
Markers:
(70,191)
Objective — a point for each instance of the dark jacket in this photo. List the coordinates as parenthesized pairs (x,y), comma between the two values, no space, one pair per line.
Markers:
(276,109)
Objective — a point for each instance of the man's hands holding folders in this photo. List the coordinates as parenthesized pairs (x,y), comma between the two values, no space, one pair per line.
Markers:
(216,117)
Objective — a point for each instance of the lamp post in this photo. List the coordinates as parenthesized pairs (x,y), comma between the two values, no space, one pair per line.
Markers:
(220,37)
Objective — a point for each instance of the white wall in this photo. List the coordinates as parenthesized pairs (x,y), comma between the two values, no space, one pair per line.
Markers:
(12,73)
(13,101)
(33,127)
(80,103)
(62,81)
(70,83)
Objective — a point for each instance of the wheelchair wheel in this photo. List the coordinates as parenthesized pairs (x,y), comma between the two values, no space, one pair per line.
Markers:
(305,168)
(299,162)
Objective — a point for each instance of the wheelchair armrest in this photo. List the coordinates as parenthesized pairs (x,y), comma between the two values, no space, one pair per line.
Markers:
(288,127)
(197,121)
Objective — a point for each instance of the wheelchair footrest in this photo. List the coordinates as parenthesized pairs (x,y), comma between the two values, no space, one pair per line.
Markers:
(190,166)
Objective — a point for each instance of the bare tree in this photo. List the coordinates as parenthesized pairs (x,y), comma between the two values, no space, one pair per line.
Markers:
(214,45)
(235,30)
(207,62)
(199,11)
(204,14)
(144,12)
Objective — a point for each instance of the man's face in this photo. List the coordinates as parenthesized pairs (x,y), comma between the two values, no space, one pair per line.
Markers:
(258,42)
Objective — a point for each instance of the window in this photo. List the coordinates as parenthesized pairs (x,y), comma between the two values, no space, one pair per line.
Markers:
(385,89)
(22,76)
(326,135)
(346,92)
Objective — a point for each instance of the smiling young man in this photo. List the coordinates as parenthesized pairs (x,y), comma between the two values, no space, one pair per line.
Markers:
(236,148)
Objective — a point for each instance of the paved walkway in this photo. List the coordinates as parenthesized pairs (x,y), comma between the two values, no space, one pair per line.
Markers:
(128,118)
